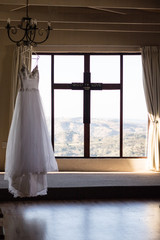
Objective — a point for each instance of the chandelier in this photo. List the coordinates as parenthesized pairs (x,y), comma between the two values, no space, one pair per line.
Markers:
(28,31)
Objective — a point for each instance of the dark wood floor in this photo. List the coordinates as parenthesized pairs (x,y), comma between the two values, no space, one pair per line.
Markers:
(82,220)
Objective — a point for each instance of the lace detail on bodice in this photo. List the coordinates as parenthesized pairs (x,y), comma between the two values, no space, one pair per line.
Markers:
(29,80)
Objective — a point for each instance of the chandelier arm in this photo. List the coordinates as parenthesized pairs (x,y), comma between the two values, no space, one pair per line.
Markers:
(18,42)
(31,31)
(8,32)
(27,41)
(39,42)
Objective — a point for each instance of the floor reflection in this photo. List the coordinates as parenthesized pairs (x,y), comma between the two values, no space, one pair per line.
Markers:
(19,227)
(92,220)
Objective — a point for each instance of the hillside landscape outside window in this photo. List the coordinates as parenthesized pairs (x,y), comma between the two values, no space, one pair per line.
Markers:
(94,104)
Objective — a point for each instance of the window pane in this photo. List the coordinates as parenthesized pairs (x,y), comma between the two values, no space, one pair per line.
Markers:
(105,123)
(105,69)
(44,66)
(135,113)
(68,137)
(68,69)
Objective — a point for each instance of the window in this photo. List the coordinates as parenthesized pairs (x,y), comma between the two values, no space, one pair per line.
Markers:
(135,122)
(94,104)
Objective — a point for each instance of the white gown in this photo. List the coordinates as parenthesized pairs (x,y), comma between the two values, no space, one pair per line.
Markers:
(29,153)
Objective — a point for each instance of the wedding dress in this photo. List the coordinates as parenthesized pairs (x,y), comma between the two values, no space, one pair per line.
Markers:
(29,153)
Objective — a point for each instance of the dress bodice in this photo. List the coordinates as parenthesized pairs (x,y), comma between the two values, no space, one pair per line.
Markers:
(29,80)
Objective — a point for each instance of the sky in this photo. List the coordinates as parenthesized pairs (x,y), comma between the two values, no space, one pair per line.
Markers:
(104,69)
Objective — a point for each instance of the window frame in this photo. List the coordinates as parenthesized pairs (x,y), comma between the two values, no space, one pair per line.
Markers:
(106,86)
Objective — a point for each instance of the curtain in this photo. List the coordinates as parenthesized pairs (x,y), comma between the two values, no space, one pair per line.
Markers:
(21,55)
(151,82)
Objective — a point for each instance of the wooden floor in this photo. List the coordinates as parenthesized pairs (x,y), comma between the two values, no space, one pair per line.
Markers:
(82,220)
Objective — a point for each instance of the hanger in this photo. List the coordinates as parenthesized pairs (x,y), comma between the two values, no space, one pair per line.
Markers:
(26,49)
(24,56)
(36,57)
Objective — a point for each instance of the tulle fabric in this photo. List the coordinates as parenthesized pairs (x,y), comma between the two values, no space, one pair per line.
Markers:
(28,185)
(29,153)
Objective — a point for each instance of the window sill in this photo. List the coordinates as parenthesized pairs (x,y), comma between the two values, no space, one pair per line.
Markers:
(102,164)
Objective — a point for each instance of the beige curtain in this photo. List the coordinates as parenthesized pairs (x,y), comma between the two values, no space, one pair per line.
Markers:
(21,55)
(151,82)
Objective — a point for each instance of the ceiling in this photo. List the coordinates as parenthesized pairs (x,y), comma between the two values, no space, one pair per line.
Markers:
(91,15)
(90,22)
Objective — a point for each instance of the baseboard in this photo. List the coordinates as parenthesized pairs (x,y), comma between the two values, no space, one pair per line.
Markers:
(87,193)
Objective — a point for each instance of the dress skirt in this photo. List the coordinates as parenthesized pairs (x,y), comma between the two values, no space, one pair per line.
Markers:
(29,153)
